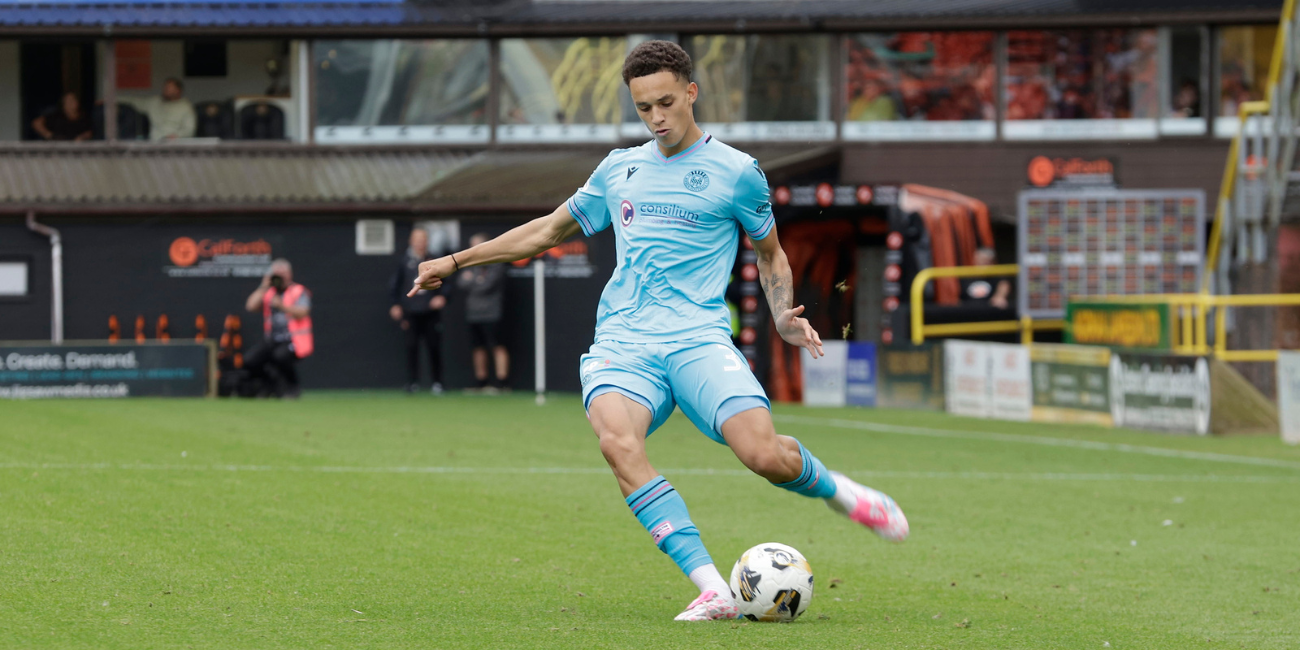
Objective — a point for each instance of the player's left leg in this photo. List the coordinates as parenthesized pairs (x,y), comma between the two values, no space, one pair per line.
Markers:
(716,389)
(787,464)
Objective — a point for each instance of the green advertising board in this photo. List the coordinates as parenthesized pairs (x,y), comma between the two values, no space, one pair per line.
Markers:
(1119,325)
(1071,383)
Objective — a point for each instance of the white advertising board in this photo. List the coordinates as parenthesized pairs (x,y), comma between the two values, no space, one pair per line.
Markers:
(824,379)
(1011,394)
(966,373)
(1288,395)
(988,380)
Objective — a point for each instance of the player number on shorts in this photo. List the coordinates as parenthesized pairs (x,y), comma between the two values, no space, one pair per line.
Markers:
(731,356)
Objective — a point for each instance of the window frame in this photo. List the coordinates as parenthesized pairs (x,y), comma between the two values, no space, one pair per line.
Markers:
(978,130)
(29,262)
(1088,129)
(1165,126)
(777,131)
(389,134)
(555,133)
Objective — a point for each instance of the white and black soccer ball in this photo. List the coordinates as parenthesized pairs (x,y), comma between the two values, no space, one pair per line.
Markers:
(772,582)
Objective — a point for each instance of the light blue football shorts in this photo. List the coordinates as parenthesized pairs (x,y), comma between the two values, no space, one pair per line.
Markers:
(706,376)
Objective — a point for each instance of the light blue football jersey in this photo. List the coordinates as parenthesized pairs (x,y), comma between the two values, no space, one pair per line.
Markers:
(677,223)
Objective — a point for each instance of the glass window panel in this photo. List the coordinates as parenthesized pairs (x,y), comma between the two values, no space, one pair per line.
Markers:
(1185,104)
(1185,73)
(763,87)
(920,85)
(562,88)
(1245,54)
(396,90)
(13,278)
(1106,75)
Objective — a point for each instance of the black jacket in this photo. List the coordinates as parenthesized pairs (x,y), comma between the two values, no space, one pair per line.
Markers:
(407,271)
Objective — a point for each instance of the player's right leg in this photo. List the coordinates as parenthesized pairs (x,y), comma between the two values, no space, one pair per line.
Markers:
(621,423)
(626,400)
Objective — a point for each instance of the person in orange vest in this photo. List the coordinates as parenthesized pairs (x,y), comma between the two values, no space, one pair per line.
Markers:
(286,323)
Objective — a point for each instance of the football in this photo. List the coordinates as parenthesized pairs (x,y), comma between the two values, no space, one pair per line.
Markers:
(772,582)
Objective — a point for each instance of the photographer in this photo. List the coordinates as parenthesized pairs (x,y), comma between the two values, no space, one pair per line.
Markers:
(286,322)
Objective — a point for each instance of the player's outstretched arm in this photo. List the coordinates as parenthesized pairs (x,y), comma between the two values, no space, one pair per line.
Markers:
(536,236)
(778,283)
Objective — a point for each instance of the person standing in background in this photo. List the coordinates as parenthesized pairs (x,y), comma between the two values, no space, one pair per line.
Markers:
(484,287)
(420,315)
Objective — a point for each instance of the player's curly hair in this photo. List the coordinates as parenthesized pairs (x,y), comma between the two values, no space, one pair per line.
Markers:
(657,56)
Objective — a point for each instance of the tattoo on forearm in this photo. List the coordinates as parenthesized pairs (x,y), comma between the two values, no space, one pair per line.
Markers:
(777,288)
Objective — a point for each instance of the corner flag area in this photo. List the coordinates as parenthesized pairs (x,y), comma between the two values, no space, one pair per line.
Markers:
(378,520)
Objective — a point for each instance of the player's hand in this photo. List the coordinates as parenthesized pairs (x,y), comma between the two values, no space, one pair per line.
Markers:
(798,332)
(431,274)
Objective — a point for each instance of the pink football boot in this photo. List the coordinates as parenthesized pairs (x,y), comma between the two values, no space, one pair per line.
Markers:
(710,606)
(873,509)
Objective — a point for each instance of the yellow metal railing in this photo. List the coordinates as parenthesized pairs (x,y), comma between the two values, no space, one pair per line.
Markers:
(1279,48)
(1191,313)
(1227,188)
(1026,325)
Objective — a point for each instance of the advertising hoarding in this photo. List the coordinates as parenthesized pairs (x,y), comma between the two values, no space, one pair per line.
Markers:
(100,370)
(824,378)
(1160,392)
(911,376)
(1071,383)
(1119,325)
(860,371)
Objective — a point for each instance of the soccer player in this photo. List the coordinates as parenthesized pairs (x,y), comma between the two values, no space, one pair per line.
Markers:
(663,329)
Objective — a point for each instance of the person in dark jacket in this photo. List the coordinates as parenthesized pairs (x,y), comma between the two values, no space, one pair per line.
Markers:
(64,122)
(484,288)
(420,315)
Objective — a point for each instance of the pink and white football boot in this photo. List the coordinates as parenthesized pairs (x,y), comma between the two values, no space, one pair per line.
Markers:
(871,508)
(710,606)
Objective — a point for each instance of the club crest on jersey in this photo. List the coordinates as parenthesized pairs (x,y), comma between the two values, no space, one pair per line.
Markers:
(625,212)
(696,180)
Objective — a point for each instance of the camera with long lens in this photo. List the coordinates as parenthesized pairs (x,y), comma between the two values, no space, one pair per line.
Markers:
(277,283)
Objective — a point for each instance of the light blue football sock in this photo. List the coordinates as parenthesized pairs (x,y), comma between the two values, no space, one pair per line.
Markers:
(663,513)
(814,480)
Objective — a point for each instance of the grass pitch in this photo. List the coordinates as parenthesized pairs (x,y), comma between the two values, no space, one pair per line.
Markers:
(387,521)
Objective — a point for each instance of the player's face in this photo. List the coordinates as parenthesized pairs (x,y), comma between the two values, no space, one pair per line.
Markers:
(664,103)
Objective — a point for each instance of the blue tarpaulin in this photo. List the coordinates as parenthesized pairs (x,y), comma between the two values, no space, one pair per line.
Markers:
(197,13)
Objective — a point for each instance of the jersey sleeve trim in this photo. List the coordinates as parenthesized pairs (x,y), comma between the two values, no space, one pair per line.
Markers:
(581,217)
(764,229)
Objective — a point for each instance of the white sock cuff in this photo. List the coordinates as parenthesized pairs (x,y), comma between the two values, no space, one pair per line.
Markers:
(844,494)
(707,577)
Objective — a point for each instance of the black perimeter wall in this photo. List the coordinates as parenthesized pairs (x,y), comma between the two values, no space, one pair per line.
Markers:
(117,266)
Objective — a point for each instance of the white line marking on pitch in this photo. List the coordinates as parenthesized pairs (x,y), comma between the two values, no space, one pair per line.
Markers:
(1008,476)
(1036,440)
